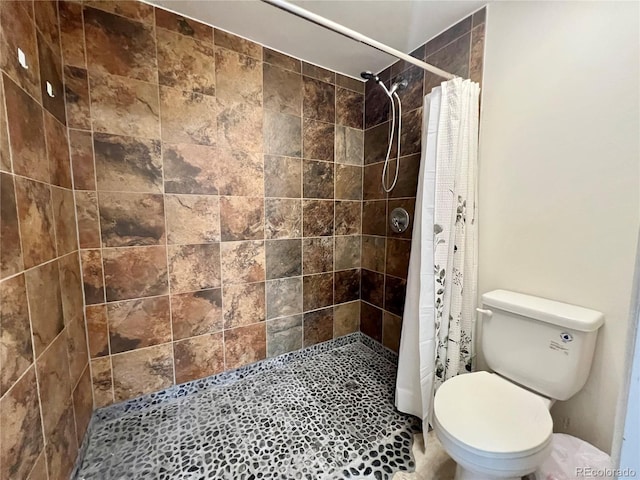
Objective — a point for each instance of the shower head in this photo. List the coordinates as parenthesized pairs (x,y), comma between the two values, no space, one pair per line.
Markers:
(370,76)
(400,84)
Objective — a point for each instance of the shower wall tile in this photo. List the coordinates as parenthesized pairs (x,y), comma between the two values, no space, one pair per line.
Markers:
(5,153)
(318,326)
(183,25)
(284,297)
(92,276)
(64,220)
(283,218)
(394,294)
(318,179)
(131,219)
(346,318)
(374,217)
(192,219)
(72,33)
(284,335)
(373,253)
(50,65)
(282,176)
(241,218)
(407,184)
(198,357)
(238,77)
(243,304)
(102,382)
(349,145)
(97,330)
(391,330)
(347,252)
(281,60)
(245,345)
(189,169)
(398,251)
(131,9)
(346,286)
(317,253)
(10,249)
(76,90)
(318,73)
(347,218)
(454,58)
(317,218)
(319,100)
(187,117)
(350,83)
(138,323)
(282,90)
(348,182)
(57,152)
(371,320)
(282,134)
(476,62)
(372,287)
(142,371)
(196,313)
(318,140)
(350,108)
(240,125)
(240,173)
(237,44)
(194,267)
(412,95)
(242,262)
(317,291)
(82,164)
(135,272)
(283,258)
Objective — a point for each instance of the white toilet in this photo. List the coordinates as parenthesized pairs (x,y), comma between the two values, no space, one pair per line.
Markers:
(497,425)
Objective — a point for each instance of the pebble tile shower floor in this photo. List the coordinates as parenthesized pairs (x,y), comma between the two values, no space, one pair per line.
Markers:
(320,415)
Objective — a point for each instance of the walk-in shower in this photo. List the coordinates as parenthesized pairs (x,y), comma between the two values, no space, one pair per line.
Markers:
(391,93)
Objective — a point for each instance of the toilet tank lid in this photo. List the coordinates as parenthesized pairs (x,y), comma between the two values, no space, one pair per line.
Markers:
(549,311)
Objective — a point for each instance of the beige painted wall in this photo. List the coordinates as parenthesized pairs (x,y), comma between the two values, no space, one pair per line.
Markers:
(559,174)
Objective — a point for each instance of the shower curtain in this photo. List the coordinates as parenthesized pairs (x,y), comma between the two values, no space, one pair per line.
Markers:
(436,341)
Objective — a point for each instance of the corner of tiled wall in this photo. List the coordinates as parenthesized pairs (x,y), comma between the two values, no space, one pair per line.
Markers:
(385,254)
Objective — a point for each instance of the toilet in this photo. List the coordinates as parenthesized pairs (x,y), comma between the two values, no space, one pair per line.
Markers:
(497,425)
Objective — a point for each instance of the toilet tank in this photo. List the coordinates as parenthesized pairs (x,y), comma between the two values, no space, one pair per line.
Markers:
(541,344)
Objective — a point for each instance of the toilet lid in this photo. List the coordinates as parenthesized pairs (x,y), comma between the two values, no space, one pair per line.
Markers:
(490,414)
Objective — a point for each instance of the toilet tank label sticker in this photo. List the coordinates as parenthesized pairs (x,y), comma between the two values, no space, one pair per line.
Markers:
(559,347)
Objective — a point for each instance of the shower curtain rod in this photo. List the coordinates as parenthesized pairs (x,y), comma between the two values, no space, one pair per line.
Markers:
(347,32)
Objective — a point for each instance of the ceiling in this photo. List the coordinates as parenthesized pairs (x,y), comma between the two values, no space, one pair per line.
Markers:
(402,24)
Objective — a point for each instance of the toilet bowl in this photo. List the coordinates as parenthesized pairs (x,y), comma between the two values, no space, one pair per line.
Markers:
(492,428)
(497,425)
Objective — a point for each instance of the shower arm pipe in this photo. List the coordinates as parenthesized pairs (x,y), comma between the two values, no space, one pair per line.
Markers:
(347,32)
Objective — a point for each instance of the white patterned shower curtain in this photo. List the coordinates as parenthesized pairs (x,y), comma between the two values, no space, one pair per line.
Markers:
(436,342)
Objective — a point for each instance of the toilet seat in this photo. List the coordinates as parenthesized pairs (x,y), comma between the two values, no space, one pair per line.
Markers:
(489,416)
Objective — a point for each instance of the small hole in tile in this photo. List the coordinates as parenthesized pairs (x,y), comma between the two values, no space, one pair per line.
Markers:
(50,90)
(22,59)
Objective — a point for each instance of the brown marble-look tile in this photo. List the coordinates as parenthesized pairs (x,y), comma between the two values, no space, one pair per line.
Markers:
(371,321)
(347,252)
(130,219)
(245,345)
(198,357)
(453,58)
(36,221)
(346,318)
(10,249)
(77,349)
(92,276)
(142,371)
(374,217)
(134,272)
(81,150)
(394,294)
(450,34)
(39,471)
(72,33)
(401,65)
(372,287)
(83,404)
(240,125)
(45,304)
(237,44)
(185,63)
(282,134)
(350,83)
(18,30)
(187,117)
(376,143)
(183,25)
(398,251)
(281,60)
(242,262)
(376,105)
(76,92)
(410,139)
(5,153)
(317,254)
(348,218)
(65,220)
(409,205)
(127,163)
(54,383)
(240,173)
(21,436)
(243,304)
(50,65)
(317,179)
(350,108)
(192,219)
(411,96)
(120,46)
(373,253)
(407,184)
(134,10)
(71,288)
(15,331)
(319,100)
(241,218)
(318,140)
(479,17)
(102,382)
(349,145)
(62,448)
(238,77)
(318,326)
(190,169)
(282,90)
(476,63)
(283,218)
(138,323)
(283,258)
(196,313)
(26,132)
(57,151)
(318,73)
(346,286)
(372,180)
(317,291)
(282,177)
(124,106)
(97,330)
(391,331)
(284,297)
(194,267)
(284,335)
(317,218)
(88,219)
(348,182)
